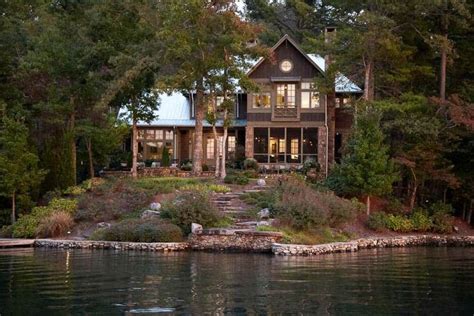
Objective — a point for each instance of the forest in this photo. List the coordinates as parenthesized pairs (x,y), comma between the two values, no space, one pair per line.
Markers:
(68,66)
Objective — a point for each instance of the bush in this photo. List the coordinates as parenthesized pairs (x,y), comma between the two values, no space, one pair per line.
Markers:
(191,207)
(206,187)
(420,220)
(55,225)
(238,178)
(399,223)
(394,206)
(26,226)
(340,210)
(377,221)
(309,164)
(6,231)
(139,230)
(250,163)
(442,222)
(165,158)
(205,167)
(186,165)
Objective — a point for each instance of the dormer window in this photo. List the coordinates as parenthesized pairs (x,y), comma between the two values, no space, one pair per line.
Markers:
(286,65)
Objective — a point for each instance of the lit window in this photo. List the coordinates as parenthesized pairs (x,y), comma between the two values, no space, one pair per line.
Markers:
(262,100)
(159,134)
(169,135)
(286,95)
(309,97)
(150,134)
(294,148)
(286,66)
(210,148)
(231,144)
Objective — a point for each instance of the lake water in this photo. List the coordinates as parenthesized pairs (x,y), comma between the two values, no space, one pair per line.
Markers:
(371,282)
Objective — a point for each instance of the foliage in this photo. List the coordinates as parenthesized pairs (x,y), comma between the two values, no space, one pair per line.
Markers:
(191,207)
(206,187)
(6,231)
(307,237)
(420,220)
(262,199)
(236,178)
(309,164)
(139,230)
(165,158)
(55,225)
(377,221)
(251,163)
(27,225)
(399,223)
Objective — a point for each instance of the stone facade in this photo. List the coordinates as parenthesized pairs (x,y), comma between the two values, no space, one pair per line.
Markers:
(322,138)
(234,240)
(249,142)
(88,244)
(375,242)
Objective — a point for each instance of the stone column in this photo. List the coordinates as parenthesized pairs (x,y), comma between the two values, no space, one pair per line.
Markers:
(322,148)
(249,142)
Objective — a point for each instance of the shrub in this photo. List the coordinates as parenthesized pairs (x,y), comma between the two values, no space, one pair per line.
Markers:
(26,226)
(420,220)
(394,206)
(74,190)
(139,230)
(205,167)
(340,210)
(251,173)
(442,222)
(55,225)
(165,158)
(206,187)
(262,199)
(191,207)
(250,163)
(309,164)
(377,221)
(399,223)
(186,166)
(237,178)
(6,231)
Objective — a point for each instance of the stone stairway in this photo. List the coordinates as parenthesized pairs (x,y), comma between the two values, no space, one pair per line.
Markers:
(232,206)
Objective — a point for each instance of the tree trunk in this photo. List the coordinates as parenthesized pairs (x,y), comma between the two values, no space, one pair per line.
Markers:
(216,152)
(72,124)
(369,89)
(469,214)
(134,148)
(13,207)
(223,151)
(442,79)
(91,158)
(464,211)
(414,190)
(199,115)
(368,204)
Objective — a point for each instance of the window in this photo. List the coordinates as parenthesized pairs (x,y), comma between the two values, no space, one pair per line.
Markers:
(262,100)
(293,140)
(210,148)
(286,65)
(152,143)
(309,97)
(231,145)
(260,144)
(286,95)
(310,143)
(277,145)
(169,135)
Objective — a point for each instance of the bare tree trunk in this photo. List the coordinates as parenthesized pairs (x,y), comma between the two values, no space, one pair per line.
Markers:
(464,210)
(91,158)
(223,157)
(199,114)
(368,204)
(469,214)
(369,89)
(134,148)
(216,152)
(72,124)
(415,187)
(444,53)
(13,207)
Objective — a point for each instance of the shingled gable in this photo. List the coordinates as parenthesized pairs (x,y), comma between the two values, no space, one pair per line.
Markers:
(264,63)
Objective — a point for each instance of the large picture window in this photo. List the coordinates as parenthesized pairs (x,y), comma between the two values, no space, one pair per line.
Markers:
(286,95)
(262,100)
(152,141)
(285,145)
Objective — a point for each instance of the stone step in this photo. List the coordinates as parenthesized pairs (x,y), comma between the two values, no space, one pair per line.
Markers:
(253,191)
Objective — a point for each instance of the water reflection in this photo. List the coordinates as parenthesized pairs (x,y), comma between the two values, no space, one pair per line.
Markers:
(389,281)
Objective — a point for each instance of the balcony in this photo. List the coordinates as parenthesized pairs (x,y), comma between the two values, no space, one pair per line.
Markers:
(280,113)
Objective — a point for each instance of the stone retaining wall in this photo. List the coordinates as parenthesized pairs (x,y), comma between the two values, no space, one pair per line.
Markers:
(375,242)
(234,240)
(88,244)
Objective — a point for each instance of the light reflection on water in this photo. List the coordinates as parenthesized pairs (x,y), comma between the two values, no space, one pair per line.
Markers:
(384,281)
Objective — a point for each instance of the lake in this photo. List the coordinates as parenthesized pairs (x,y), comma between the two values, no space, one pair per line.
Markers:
(380,281)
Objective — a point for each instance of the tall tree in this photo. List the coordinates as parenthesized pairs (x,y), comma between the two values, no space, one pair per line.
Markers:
(366,168)
(19,172)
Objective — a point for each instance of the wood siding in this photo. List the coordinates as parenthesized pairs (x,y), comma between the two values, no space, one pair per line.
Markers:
(316,117)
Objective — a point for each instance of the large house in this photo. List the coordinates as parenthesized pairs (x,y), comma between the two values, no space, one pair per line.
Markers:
(285,123)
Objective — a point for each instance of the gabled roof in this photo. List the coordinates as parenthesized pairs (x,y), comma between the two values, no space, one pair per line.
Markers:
(285,37)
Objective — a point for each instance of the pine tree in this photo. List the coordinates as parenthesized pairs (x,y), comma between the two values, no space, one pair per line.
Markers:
(19,172)
(365,169)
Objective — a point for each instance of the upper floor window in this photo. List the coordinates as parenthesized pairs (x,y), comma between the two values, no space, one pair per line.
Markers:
(261,100)
(286,65)
(309,97)
(286,95)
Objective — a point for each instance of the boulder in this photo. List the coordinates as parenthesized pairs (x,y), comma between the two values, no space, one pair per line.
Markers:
(103,225)
(456,229)
(150,214)
(261,183)
(196,228)
(263,223)
(155,206)
(264,213)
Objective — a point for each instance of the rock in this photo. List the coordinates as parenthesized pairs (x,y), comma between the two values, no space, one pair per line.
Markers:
(103,225)
(261,183)
(150,214)
(263,223)
(196,228)
(264,213)
(155,206)
(456,229)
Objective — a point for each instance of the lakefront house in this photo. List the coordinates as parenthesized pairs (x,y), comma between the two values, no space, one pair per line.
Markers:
(283,124)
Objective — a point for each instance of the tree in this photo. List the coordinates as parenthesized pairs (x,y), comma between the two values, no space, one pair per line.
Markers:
(19,172)
(366,168)
(204,38)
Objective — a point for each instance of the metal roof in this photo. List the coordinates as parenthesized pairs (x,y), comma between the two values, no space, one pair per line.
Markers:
(343,84)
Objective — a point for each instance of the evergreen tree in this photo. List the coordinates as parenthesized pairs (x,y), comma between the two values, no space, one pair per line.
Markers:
(19,172)
(366,168)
